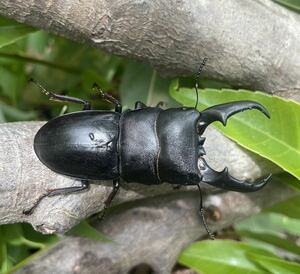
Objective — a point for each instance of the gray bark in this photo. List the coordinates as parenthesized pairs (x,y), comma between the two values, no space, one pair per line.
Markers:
(24,178)
(152,231)
(250,44)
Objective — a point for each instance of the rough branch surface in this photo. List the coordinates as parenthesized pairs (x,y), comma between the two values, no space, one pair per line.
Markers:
(250,44)
(24,178)
(152,231)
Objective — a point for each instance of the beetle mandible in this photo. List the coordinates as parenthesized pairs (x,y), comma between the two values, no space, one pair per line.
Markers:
(147,145)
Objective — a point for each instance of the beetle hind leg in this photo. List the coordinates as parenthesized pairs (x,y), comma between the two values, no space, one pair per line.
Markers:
(59,191)
(62,98)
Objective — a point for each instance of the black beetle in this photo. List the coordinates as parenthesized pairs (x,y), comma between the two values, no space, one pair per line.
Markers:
(147,145)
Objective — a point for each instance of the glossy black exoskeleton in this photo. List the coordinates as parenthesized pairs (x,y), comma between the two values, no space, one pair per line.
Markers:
(146,145)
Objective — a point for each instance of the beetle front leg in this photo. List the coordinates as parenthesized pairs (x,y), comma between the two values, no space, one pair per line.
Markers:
(202,214)
(112,195)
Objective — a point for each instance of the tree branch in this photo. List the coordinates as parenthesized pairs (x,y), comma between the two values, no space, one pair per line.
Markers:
(152,231)
(24,179)
(253,44)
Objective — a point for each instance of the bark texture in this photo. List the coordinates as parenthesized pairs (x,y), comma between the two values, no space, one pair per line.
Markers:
(152,231)
(250,44)
(24,179)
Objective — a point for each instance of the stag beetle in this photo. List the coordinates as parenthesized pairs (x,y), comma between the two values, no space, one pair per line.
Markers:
(147,145)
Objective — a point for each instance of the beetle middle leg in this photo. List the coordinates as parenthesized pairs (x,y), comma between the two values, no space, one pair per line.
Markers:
(160,104)
(177,187)
(59,191)
(139,105)
(112,195)
(62,98)
(107,97)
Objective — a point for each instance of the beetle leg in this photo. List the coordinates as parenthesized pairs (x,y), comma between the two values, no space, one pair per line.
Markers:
(224,180)
(177,187)
(62,98)
(160,104)
(139,105)
(202,213)
(223,111)
(59,191)
(111,196)
(107,97)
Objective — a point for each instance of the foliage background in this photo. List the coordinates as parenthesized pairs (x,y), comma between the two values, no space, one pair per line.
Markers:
(270,240)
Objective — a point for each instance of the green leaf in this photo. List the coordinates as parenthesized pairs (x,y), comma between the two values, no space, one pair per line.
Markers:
(275,240)
(89,77)
(15,114)
(8,83)
(84,229)
(24,261)
(17,254)
(37,237)
(38,42)
(2,117)
(290,207)
(11,232)
(11,31)
(222,256)
(141,83)
(275,265)
(3,253)
(270,222)
(14,235)
(288,180)
(292,4)
(276,139)
(17,242)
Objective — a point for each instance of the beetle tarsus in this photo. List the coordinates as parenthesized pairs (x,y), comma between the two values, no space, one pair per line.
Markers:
(224,180)
(59,191)
(109,98)
(202,214)
(62,98)
(139,105)
(112,195)
(177,187)
(222,112)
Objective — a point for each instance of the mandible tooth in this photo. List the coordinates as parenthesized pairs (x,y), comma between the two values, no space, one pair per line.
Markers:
(202,151)
(201,140)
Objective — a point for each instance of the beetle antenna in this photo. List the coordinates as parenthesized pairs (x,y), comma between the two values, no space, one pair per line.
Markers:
(202,213)
(197,80)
